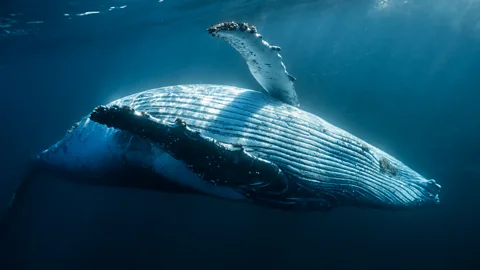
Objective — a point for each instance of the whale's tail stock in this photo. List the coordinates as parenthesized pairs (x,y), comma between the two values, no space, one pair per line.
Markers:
(18,198)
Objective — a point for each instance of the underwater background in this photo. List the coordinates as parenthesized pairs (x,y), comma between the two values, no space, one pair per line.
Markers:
(403,75)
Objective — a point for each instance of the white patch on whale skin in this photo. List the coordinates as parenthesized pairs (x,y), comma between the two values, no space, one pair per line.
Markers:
(92,150)
(85,149)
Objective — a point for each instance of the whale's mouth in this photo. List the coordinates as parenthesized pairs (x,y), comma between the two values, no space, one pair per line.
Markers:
(400,188)
(410,188)
(419,192)
(397,194)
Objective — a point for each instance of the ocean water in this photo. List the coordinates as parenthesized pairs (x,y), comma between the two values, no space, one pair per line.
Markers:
(400,74)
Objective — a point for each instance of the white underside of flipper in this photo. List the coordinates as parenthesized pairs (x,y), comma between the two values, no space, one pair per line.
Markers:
(263,60)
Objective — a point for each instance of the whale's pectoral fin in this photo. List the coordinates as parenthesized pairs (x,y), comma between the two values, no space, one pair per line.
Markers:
(218,163)
(263,60)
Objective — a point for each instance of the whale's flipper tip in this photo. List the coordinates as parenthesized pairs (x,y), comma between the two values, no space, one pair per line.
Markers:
(263,60)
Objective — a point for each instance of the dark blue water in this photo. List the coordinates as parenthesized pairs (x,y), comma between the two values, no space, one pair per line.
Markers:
(403,75)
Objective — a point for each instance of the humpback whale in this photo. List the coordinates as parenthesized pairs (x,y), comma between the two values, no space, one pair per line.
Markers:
(238,144)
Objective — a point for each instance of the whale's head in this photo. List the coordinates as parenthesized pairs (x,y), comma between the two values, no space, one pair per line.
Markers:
(387,182)
(345,170)
(405,186)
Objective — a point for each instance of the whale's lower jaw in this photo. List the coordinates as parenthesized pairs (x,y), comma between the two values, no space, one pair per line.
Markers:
(327,166)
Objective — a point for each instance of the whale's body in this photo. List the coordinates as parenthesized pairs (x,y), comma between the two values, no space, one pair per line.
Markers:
(231,143)
(327,165)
